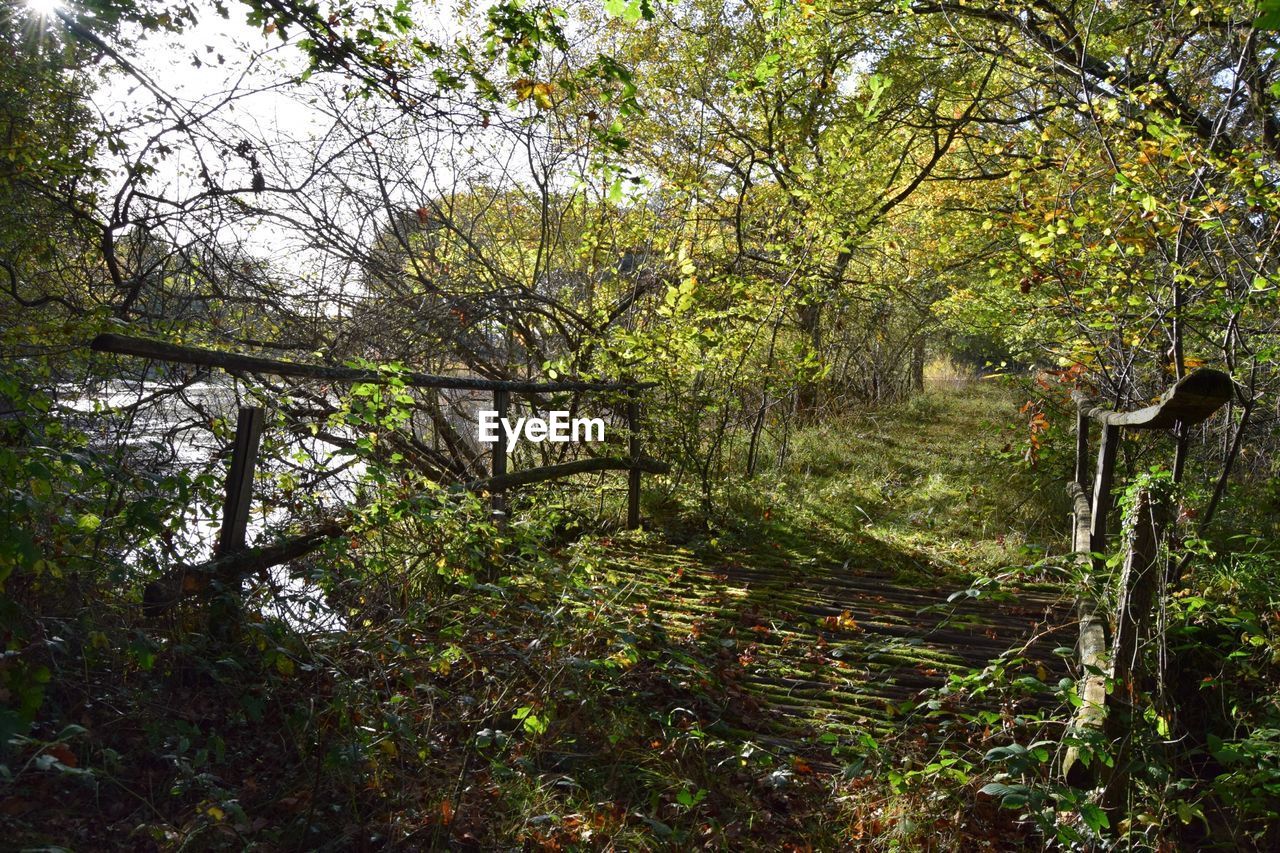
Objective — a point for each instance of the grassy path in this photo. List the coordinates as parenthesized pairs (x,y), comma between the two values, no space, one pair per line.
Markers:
(834,604)
(820,626)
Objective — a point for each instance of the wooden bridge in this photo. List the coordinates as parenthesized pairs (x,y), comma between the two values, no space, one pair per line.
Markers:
(837,648)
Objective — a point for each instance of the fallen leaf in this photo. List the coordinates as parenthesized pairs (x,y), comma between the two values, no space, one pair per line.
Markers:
(64,754)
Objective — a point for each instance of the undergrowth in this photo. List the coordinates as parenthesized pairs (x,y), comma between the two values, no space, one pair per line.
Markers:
(473,686)
(523,698)
(551,684)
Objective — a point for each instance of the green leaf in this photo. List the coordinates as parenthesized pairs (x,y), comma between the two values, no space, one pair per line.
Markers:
(531,722)
(767,68)
(1095,817)
(1000,753)
(1011,796)
(615,192)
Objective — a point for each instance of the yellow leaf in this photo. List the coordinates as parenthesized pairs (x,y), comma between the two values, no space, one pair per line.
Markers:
(542,95)
(540,92)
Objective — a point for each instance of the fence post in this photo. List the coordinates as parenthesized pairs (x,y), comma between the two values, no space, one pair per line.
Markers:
(501,402)
(1102,491)
(239,490)
(633,476)
(1082,451)
(1092,648)
(1137,587)
(225,615)
(1138,581)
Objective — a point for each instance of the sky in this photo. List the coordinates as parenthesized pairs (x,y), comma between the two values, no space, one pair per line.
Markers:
(287,125)
(199,69)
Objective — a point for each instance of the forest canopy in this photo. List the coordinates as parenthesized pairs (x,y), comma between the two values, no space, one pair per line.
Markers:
(836,276)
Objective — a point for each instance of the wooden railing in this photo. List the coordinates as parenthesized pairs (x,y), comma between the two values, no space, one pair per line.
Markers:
(1188,402)
(233,559)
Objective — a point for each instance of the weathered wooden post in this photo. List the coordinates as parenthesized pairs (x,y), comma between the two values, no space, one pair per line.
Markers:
(239,491)
(1092,650)
(1192,399)
(224,617)
(1082,449)
(633,452)
(1138,581)
(502,403)
(1137,588)
(1102,491)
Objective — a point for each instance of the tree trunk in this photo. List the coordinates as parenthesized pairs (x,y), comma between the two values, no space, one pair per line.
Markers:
(917,365)
(807,395)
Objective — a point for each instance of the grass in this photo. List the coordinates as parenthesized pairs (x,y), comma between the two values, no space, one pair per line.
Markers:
(932,487)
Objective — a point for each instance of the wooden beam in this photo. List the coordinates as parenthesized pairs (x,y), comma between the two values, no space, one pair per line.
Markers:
(1081,519)
(567,469)
(1138,582)
(1092,651)
(184,581)
(1082,448)
(239,489)
(162,351)
(502,403)
(1191,400)
(1102,491)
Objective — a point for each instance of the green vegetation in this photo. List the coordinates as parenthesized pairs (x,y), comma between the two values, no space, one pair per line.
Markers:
(607,689)
(859,275)
(929,479)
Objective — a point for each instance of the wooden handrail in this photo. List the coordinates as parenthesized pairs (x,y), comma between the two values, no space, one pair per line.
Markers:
(529,476)
(1091,648)
(234,561)
(201,357)
(1188,402)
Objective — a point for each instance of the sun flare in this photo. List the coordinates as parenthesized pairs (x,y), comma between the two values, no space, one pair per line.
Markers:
(45,8)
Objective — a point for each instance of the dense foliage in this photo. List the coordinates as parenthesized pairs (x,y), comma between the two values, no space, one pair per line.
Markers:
(788,218)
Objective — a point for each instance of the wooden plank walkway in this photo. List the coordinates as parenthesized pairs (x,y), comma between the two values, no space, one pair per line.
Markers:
(816,649)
